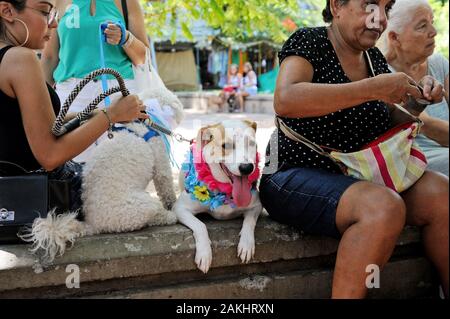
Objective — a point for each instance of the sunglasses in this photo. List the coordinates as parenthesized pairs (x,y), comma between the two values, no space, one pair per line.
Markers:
(51,15)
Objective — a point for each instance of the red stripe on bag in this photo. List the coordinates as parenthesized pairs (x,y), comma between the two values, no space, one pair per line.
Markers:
(418,154)
(383,167)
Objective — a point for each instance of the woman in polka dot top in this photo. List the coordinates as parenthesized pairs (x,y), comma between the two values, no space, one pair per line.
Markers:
(327,93)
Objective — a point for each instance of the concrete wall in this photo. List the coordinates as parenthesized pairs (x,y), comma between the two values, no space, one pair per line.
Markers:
(262,103)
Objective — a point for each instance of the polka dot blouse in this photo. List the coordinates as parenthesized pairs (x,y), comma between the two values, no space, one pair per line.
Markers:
(346,130)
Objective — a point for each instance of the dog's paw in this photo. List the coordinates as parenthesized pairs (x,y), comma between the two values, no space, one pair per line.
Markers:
(203,257)
(246,248)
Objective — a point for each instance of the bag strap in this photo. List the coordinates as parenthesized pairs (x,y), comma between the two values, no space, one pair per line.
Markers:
(15,165)
(290,133)
(125,12)
(60,127)
(26,172)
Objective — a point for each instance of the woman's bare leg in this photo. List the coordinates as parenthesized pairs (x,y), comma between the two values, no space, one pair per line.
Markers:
(241,100)
(371,218)
(427,207)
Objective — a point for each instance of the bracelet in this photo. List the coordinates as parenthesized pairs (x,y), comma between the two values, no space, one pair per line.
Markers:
(129,40)
(110,124)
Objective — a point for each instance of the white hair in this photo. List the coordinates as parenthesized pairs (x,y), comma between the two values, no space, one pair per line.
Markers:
(400,16)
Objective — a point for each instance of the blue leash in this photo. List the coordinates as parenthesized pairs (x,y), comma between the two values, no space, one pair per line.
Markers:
(102,36)
(151,133)
(165,139)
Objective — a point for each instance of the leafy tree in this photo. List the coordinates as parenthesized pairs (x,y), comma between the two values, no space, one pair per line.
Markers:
(441,11)
(249,19)
(238,19)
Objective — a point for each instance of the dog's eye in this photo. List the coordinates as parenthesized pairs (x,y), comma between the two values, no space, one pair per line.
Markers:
(227,146)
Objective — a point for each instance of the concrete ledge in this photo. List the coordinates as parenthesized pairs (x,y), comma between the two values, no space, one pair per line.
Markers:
(159,263)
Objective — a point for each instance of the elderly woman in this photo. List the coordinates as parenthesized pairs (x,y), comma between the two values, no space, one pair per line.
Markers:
(409,45)
(325,91)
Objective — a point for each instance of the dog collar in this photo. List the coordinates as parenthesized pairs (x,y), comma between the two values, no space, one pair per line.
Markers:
(147,137)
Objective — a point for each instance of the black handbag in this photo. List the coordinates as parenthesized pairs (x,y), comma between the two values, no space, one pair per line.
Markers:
(25,196)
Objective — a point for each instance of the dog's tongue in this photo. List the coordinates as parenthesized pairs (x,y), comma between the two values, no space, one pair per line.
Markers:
(242,194)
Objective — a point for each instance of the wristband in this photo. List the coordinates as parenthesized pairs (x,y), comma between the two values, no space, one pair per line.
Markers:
(123,30)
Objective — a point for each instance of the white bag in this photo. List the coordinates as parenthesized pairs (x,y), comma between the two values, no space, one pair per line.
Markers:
(150,87)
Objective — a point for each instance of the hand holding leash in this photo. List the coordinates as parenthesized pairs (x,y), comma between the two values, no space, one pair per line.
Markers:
(114,33)
(127,109)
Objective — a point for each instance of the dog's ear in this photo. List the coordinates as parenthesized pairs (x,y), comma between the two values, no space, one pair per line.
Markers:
(205,136)
(252,124)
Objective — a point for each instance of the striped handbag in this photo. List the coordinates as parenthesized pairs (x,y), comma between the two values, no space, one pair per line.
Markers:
(394,159)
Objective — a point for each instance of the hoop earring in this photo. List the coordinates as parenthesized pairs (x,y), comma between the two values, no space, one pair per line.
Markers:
(26,28)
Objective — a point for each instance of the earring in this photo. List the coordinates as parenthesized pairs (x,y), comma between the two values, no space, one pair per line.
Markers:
(27,30)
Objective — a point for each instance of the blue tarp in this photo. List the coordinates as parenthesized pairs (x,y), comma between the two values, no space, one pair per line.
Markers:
(267,81)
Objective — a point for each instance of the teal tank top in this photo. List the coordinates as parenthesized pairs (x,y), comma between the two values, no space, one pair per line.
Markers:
(79,52)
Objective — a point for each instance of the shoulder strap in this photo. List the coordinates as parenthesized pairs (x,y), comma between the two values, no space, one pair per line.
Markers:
(291,134)
(369,60)
(125,12)
(3,51)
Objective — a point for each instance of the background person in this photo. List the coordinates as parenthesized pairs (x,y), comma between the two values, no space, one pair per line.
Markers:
(409,47)
(325,92)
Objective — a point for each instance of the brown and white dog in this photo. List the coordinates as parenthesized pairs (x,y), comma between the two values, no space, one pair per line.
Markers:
(220,178)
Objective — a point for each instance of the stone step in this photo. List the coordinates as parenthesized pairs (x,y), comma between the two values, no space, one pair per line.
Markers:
(164,256)
(309,284)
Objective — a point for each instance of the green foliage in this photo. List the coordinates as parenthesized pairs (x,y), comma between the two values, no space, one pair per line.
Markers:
(247,19)
(238,19)
(441,11)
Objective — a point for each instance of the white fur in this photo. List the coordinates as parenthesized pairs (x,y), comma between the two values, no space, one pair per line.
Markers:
(114,194)
(186,209)
(52,234)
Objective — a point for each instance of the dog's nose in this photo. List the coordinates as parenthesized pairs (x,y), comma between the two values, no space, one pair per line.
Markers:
(246,169)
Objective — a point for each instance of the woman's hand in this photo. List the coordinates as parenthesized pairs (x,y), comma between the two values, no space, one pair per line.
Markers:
(395,88)
(127,109)
(433,90)
(113,34)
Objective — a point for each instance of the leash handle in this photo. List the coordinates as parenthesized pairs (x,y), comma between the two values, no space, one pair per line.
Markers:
(60,127)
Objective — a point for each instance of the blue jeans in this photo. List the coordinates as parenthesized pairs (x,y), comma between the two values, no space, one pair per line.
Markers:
(305,198)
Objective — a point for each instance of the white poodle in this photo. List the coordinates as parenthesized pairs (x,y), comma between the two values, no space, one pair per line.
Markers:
(114,194)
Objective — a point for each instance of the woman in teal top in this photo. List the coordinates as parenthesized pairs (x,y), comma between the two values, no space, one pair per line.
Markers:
(409,49)
(73,50)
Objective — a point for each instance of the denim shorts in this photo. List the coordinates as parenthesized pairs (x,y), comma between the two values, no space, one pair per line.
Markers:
(305,198)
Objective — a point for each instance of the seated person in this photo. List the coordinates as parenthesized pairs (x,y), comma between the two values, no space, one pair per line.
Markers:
(229,90)
(249,85)
(29,105)
(409,45)
(326,92)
